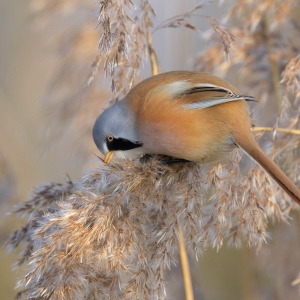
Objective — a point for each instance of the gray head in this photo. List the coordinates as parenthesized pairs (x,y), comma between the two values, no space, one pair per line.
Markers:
(115,130)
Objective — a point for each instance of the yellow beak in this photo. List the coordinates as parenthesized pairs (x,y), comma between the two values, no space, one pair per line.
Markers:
(108,157)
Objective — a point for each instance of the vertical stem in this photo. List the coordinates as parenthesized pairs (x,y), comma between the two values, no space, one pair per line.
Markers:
(155,68)
(273,63)
(186,273)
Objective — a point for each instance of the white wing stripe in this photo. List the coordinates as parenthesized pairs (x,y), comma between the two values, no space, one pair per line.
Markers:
(184,87)
(209,103)
(180,87)
(209,85)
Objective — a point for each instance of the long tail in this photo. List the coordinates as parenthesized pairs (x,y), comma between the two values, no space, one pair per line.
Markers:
(249,145)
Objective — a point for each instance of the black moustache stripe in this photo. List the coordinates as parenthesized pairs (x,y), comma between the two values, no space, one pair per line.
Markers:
(121,144)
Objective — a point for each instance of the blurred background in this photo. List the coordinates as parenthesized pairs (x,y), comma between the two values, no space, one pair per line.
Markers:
(46,115)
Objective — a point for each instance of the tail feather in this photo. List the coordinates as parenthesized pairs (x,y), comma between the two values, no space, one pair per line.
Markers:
(249,145)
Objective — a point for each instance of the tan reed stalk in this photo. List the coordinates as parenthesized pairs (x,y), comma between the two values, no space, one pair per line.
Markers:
(185,268)
(155,68)
(270,129)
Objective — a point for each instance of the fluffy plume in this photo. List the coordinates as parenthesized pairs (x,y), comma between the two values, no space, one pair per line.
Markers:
(113,233)
(123,42)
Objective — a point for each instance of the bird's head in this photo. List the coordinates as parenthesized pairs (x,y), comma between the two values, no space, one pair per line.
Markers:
(115,132)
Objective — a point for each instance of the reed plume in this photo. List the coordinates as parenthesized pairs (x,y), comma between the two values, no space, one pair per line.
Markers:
(113,233)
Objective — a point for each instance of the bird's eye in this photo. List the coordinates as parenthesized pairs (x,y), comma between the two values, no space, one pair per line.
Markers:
(110,138)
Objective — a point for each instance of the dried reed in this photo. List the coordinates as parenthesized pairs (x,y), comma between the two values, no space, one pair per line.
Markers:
(113,233)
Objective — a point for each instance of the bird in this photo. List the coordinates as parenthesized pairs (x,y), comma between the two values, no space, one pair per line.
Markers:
(186,115)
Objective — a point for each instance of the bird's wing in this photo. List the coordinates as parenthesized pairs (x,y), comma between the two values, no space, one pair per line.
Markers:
(202,95)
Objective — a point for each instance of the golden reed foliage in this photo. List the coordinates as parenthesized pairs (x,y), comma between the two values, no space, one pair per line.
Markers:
(112,233)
